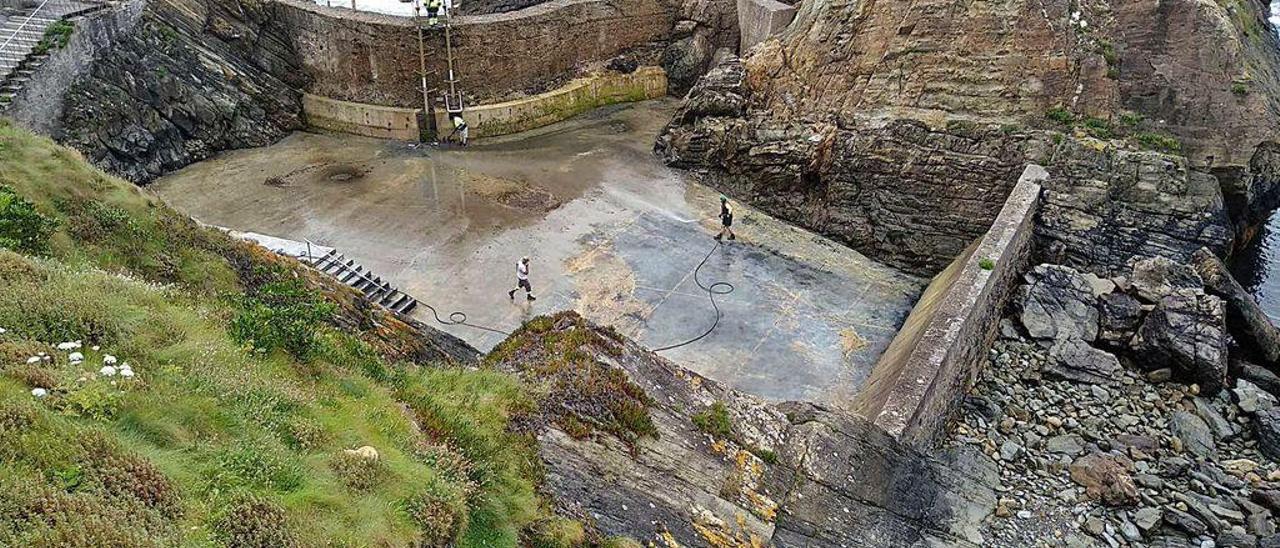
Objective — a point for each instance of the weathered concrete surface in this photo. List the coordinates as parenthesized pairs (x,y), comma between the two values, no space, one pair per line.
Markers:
(759,20)
(370,58)
(611,232)
(944,343)
(580,95)
(361,119)
(789,474)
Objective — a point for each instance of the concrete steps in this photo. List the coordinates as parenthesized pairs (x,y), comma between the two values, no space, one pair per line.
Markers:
(373,287)
(20,35)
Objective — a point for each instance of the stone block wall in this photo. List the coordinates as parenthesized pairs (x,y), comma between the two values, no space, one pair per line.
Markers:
(944,342)
(761,19)
(370,58)
(559,104)
(381,122)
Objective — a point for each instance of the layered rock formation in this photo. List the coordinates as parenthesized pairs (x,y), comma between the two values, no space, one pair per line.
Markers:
(188,80)
(722,468)
(899,128)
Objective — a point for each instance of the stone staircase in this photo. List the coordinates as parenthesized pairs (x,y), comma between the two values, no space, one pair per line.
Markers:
(20,36)
(373,287)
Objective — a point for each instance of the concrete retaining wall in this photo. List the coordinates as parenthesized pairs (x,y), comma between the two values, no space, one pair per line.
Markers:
(360,119)
(944,342)
(760,19)
(553,106)
(370,58)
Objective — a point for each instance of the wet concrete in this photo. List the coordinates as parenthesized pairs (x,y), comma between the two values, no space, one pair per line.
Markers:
(611,232)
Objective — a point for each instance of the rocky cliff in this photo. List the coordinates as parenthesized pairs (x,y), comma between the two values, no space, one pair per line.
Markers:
(189,79)
(704,465)
(898,127)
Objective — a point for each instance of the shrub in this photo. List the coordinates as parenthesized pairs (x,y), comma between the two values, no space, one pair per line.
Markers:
(123,475)
(1097,127)
(282,315)
(1159,141)
(95,399)
(1130,119)
(55,37)
(22,228)
(557,532)
(714,420)
(254,522)
(986,264)
(1060,115)
(356,472)
(766,455)
(439,515)
(257,466)
(1240,88)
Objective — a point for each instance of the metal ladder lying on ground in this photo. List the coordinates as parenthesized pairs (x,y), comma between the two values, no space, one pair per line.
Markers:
(20,38)
(373,287)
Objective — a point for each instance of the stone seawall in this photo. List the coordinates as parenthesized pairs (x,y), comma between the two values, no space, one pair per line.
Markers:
(370,58)
(562,103)
(944,341)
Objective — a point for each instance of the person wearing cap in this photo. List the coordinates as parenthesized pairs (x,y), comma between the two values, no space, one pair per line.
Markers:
(726,220)
(522,280)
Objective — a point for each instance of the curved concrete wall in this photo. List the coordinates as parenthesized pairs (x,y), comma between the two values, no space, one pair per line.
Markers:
(369,58)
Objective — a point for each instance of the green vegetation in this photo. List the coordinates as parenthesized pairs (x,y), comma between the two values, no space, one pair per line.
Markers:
(242,395)
(55,37)
(1240,88)
(1098,128)
(1158,141)
(1060,115)
(714,420)
(986,264)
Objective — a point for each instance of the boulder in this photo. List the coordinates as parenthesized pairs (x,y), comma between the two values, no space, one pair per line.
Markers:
(686,59)
(1236,539)
(1147,518)
(1057,303)
(1187,331)
(1246,321)
(1193,432)
(1268,433)
(1221,428)
(1076,361)
(1106,478)
(1119,315)
(1252,399)
(1155,278)
(1258,375)
(1184,522)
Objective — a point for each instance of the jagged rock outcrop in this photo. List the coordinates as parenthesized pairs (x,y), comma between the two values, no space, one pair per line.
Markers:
(898,128)
(722,468)
(189,80)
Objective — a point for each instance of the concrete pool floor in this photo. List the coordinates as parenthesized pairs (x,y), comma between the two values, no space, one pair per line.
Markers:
(612,233)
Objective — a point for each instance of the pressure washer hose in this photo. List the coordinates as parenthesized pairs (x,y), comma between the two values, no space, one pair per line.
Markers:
(717,288)
(460,318)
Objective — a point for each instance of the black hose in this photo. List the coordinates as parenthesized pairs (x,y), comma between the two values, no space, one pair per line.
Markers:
(717,288)
(460,318)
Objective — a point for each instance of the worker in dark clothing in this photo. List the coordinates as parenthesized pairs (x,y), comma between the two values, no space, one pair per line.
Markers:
(522,281)
(726,220)
(433,11)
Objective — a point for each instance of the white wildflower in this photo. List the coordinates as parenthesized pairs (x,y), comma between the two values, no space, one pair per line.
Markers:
(64,346)
(96,348)
(126,373)
(107,371)
(3,331)
(33,359)
(76,357)
(39,392)
(109,359)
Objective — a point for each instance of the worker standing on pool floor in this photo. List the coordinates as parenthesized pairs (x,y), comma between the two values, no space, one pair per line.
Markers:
(726,220)
(522,281)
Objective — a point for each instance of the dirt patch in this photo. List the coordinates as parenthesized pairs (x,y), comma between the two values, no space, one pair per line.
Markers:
(510,192)
(339,172)
(851,341)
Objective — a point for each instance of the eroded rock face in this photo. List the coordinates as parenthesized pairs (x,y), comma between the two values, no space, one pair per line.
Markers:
(898,129)
(190,80)
(1187,331)
(1057,303)
(728,469)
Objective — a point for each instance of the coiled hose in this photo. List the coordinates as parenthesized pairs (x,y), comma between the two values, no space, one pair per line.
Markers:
(717,288)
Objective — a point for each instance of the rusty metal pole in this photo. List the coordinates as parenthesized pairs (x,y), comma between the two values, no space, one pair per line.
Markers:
(422,67)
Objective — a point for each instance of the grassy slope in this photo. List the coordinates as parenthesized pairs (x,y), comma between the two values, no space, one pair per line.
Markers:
(213,442)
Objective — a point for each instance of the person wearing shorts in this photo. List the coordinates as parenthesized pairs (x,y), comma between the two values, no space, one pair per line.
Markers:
(522,281)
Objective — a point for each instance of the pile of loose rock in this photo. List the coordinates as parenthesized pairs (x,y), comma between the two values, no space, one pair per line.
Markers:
(1121,411)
